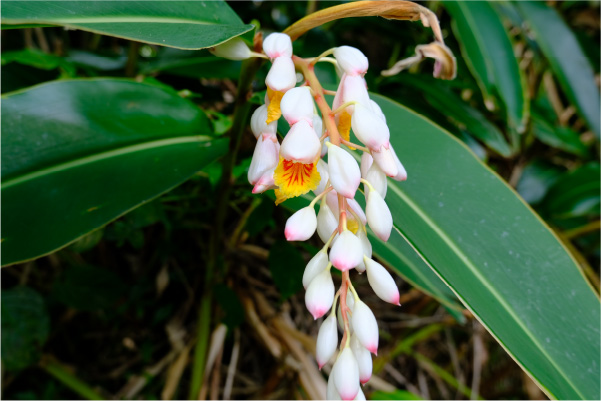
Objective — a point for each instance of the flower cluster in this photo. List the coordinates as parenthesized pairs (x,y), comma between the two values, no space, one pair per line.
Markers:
(296,167)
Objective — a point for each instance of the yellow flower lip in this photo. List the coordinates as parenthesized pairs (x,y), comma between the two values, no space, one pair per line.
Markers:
(294,179)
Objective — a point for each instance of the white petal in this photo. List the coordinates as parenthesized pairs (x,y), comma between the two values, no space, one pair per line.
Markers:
(346,375)
(346,252)
(257,122)
(355,89)
(351,60)
(265,157)
(375,107)
(324,176)
(402,173)
(376,177)
(326,222)
(331,392)
(366,246)
(332,200)
(301,225)
(327,341)
(378,216)
(369,128)
(281,75)
(363,357)
(265,182)
(354,205)
(385,161)
(300,144)
(320,294)
(277,45)
(318,125)
(316,265)
(366,162)
(344,171)
(382,282)
(365,326)
(234,49)
(360,396)
(297,104)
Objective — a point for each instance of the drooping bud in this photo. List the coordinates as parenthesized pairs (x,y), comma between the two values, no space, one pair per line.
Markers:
(385,161)
(300,144)
(402,173)
(281,75)
(331,392)
(322,169)
(366,246)
(265,182)
(360,396)
(301,225)
(378,216)
(382,282)
(369,128)
(297,104)
(365,326)
(344,171)
(366,162)
(318,128)
(326,222)
(375,107)
(258,125)
(327,340)
(346,374)
(316,265)
(377,179)
(233,49)
(320,294)
(265,157)
(351,60)
(346,252)
(363,357)
(354,89)
(277,45)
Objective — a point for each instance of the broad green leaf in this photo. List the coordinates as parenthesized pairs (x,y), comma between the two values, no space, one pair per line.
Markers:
(536,179)
(498,257)
(573,70)
(38,59)
(77,154)
(487,49)
(181,24)
(25,327)
(558,137)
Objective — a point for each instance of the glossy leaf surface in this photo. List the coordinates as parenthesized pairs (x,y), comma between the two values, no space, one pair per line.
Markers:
(181,24)
(78,154)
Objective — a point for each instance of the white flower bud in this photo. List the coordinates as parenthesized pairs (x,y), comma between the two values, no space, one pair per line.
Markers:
(344,171)
(366,246)
(346,252)
(257,122)
(277,45)
(331,392)
(354,205)
(297,104)
(265,182)
(363,357)
(324,176)
(351,60)
(326,222)
(281,75)
(332,200)
(265,157)
(366,162)
(300,144)
(365,326)
(382,282)
(316,265)
(301,225)
(360,396)
(354,89)
(346,374)
(327,341)
(376,177)
(385,161)
(318,127)
(375,107)
(234,49)
(402,173)
(378,216)
(320,294)
(369,128)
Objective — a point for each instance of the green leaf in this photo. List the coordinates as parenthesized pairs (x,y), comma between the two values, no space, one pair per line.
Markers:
(189,64)
(487,49)
(39,59)
(77,154)
(287,266)
(25,327)
(181,24)
(499,258)
(536,179)
(558,137)
(573,70)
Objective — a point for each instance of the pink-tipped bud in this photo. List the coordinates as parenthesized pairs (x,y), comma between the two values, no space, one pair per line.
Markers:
(354,90)
(324,177)
(233,49)
(346,375)
(320,294)
(331,392)
(265,182)
(351,60)
(382,282)
(346,252)
(375,107)
(365,326)
(301,144)
(366,163)
(369,128)
(385,160)
(363,357)
(327,341)
(360,396)
(344,171)
(297,104)
(366,246)
(377,179)
(378,215)
(281,75)
(277,45)
(402,173)
(326,222)
(257,122)
(301,225)
(316,265)
(265,157)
